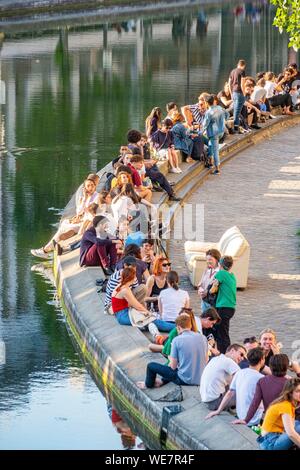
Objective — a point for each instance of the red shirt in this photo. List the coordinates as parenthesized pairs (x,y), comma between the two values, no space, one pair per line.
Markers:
(118,304)
(135,176)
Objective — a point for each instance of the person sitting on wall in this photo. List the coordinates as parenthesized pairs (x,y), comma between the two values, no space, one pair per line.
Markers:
(98,248)
(70,227)
(162,141)
(137,144)
(189,355)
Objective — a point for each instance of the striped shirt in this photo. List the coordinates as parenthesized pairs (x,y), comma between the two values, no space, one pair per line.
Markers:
(198,115)
(113,281)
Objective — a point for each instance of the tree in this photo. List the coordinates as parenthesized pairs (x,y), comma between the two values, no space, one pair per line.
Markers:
(288,19)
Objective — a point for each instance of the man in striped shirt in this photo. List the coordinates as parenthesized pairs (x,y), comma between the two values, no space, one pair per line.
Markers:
(115,279)
(195,112)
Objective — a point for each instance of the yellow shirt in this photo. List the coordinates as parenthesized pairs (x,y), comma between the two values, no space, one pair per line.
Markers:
(273,419)
(113,183)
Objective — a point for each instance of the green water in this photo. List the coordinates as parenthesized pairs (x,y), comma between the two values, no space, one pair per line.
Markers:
(70,96)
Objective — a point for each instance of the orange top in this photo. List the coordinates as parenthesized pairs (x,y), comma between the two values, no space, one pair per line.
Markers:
(273,419)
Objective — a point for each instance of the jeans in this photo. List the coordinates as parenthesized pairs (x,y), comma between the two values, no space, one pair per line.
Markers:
(167,374)
(213,145)
(123,317)
(157,177)
(164,326)
(205,141)
(277,441)
(222,328)
(238,101)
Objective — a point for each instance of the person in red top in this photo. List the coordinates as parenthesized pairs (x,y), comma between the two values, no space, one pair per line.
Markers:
(122,297)
(135,162)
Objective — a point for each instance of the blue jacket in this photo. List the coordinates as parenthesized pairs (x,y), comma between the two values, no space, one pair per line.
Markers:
(214,121)
(181,139)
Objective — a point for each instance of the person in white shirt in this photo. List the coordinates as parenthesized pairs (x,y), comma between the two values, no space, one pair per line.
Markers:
(218,375)
(243,386)
(212,258)
(170,302)
(69,227)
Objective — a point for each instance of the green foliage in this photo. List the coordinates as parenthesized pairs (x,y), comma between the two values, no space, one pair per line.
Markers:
(288,19)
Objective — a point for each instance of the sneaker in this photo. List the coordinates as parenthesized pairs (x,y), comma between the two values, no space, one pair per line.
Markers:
(153,330)
(216,172)
(173,170)
(271,116)
(173,197)
(179,170)
(255,126)
(40,253)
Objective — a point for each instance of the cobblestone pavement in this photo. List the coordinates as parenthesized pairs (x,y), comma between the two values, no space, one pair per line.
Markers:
(259,191)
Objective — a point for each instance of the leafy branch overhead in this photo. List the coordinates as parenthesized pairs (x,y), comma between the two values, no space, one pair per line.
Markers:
(288,19)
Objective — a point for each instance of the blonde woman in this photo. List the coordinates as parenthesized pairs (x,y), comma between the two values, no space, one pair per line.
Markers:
(280,431)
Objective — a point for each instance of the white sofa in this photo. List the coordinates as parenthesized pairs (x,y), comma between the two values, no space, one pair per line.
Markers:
(232,243)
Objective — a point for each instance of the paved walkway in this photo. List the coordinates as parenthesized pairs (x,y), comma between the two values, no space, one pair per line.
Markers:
(259,191)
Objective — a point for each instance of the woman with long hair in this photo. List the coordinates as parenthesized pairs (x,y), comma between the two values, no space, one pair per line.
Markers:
(157,282)
(153,121)
(170,302)
(166,341)
(279,429)
(122,297)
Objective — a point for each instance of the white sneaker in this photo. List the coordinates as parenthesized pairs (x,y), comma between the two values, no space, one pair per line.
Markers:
(40,253)
(173,170)
(153,330)
(179,170)
(272,116)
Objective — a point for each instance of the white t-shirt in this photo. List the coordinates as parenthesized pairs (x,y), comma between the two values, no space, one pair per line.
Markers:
(121,206)
(244,384)
(172,302)
(216,377)
(270,88)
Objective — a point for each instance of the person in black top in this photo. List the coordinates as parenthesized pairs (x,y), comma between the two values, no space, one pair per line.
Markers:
(236,84)
(158,280)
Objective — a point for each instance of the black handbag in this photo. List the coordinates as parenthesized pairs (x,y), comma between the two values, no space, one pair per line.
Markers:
(211,299)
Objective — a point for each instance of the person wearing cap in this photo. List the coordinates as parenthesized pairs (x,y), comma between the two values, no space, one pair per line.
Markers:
(225,285)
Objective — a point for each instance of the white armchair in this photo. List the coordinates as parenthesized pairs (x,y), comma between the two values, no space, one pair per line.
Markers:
(232,243)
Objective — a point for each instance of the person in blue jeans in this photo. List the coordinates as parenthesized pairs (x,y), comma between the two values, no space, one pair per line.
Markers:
(214,126)
(189,355)
(236,85)
(280,431)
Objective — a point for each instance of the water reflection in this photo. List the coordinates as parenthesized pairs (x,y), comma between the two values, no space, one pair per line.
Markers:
(67,99)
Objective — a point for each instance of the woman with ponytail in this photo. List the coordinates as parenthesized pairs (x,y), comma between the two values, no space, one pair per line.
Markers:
(122,297)
(170,302)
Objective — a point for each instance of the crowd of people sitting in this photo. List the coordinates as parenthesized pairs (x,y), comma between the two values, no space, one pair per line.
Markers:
(142,290)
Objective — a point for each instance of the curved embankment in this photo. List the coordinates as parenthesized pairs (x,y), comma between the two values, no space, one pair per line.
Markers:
(118,355)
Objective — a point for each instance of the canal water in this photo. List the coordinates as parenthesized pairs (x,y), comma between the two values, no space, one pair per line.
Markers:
(67,98)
